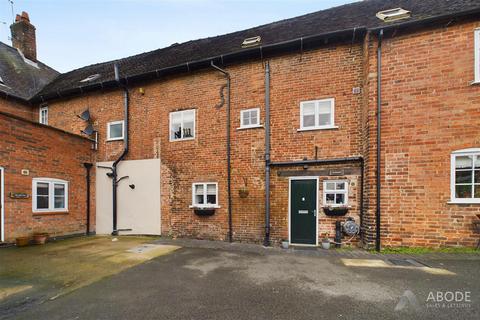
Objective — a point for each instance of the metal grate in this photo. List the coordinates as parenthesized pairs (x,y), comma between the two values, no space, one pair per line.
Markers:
(406,263)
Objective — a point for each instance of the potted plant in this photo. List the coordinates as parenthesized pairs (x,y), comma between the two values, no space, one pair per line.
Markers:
(325,242)
(243,191)
(40,237)
(335,211)
(22,241)
(285,244)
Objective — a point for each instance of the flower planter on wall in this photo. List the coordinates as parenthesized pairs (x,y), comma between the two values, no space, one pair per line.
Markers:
(335,211)
(204,212)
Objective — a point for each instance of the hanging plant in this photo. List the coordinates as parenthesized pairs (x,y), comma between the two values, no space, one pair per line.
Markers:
(243,191)
(335,210)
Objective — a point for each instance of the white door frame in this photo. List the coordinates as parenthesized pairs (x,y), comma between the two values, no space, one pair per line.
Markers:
(2,205)
(290,179)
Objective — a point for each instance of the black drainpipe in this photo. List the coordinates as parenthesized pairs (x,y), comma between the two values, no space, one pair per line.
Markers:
(114,174)
(88,166)
(379,123)
(229,173)
(267,155)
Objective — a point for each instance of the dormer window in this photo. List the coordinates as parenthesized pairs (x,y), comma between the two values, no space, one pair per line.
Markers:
(393,14)
(91,78)
(251,42)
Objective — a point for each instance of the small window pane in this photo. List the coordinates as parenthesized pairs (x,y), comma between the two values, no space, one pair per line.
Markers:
(59,190)
(477,176)
(324,119)
(463,191)
(463,176)
(330,186)
(59,202)
(340,198)
(340,185)
(324,107)
(246,118)
(477,161)
(254,117)
(330,198)
(199,199)
(199,189)
(309,120)
(42,189)
(211,199)
(116,130)
(42,202)
(188,129)
(211,189)
(463,162)
(477,190)
(308,108)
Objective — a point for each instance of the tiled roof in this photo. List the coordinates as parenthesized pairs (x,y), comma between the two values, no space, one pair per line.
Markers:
(21,78)
(358,15)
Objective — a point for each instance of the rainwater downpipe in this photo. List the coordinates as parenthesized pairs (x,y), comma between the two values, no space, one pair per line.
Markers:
(267,155)
(88,166)
(125,150)
(229,171)
(379,126)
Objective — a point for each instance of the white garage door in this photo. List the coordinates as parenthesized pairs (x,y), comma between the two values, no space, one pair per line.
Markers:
(138,197)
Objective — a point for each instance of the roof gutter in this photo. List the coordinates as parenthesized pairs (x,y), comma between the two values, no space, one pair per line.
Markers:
(302,44)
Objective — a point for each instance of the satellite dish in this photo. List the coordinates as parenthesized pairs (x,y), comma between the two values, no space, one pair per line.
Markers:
(85,116)
(88,130)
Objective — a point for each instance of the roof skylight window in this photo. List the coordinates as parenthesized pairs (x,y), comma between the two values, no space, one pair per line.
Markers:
(251,42)
(91,78)
(393,14)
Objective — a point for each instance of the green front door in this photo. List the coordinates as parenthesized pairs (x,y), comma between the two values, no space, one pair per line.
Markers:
(303,214)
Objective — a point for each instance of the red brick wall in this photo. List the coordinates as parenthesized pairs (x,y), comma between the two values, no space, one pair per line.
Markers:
(46,153)
(294,78)
(429,110)
(18,109)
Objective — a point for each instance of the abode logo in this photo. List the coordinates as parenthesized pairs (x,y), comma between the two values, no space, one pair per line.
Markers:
(435,299)
(449,299)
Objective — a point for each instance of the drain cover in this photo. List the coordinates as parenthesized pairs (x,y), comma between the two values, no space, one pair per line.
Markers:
(406,263)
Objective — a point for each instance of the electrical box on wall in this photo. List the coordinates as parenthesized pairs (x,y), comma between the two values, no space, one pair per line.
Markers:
(25,172)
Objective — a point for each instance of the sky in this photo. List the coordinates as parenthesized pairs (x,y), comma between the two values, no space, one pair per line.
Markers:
(75,33)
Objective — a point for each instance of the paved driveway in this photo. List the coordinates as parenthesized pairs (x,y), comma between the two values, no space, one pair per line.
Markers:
(206,283)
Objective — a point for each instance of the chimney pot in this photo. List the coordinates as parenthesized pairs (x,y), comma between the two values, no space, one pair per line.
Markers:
(23,36)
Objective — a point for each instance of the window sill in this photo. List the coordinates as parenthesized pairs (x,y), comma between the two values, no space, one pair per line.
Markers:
(318,128)
(184,139)
(48,213)
(115,139)
(464,202)
(250,127)
(475,83)
(204,207)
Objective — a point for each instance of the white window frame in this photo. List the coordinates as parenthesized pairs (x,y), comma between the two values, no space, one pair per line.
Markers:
(345,192)
(51,198)
(109,138)
(182,112)
(316,126)
(477,55)
(208,205)
(248,126)
(40,118)
(475,152)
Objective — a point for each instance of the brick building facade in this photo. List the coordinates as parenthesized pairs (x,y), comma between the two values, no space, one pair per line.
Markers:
(429,107)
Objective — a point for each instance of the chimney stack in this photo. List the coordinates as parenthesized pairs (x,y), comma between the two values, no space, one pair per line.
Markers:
(23,36)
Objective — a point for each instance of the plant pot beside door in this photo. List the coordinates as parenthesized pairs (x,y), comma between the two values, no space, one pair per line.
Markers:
(40,237)
(325,242)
